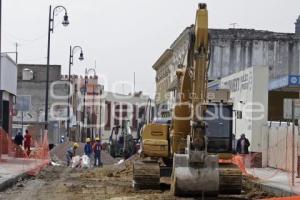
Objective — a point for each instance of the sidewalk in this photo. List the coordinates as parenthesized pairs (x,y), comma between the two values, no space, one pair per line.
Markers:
(12,169)
(276,181)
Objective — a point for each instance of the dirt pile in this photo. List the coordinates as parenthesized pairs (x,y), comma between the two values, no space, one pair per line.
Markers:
(125,168)
(107,159)
(58,153)
(122,170)
(252,190)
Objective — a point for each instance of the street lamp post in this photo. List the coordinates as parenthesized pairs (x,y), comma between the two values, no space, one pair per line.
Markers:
(100,117)
(84,98)
(72,51)
(50,30)
(84,124)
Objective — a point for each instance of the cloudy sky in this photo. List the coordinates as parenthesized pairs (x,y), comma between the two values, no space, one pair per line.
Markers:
(127,36)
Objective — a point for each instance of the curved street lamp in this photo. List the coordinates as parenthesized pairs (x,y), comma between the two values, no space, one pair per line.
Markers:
(71,60)
(87,71)
(65,22)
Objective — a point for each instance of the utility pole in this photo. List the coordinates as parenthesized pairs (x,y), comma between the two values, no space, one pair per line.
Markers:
(16,53)
(233,25)
(133,83)
(293,143)
(83,133)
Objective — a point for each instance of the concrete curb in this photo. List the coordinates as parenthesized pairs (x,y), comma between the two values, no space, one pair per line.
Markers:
(279,192)
(25,175)
(12,181)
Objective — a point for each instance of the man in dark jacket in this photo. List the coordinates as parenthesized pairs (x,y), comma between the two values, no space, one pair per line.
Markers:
(19,139)
(88,148)
(242,146)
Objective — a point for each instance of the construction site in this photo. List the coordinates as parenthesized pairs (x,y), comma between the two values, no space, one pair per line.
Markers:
(220,120)
(112,181)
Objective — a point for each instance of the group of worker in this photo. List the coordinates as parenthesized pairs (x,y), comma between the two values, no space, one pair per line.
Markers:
(90,148)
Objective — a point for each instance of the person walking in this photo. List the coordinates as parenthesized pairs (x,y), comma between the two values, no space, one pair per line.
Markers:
(242,146)
(97,152)
(19,142)
(27,142)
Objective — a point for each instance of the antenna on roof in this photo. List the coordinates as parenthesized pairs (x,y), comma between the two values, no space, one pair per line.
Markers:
(233,24)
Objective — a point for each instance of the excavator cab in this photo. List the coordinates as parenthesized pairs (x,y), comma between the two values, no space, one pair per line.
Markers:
(219,128)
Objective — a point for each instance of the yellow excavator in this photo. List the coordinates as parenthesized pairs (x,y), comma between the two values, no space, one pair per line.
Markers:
(197,145)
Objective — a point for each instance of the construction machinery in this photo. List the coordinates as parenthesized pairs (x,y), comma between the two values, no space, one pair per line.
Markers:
(121,141)
(145,116)
(197,145)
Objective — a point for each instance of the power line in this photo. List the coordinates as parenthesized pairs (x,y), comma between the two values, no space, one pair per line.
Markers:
(25,42)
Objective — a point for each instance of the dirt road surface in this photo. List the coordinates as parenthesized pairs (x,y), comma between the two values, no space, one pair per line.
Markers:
(110,182)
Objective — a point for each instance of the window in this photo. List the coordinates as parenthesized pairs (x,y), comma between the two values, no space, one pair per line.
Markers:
(120,114)
(27,74)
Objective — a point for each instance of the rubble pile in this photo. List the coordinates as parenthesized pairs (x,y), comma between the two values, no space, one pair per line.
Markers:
(125,168)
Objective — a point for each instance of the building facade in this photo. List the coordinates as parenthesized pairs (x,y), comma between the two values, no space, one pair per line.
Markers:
(85,104)
(8,92)
(232,51)
(32,84)
(165,67)
(118,108)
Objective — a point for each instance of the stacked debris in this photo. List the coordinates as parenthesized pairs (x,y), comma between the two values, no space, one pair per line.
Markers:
(123,168)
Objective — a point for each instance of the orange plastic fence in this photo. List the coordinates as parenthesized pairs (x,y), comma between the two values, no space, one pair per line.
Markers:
(240,162)
(20,160)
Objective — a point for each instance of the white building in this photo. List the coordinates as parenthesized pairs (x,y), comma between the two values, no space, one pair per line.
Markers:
(8,92)
(249,94)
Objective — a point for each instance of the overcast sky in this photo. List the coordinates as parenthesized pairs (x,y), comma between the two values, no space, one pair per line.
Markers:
(127,36)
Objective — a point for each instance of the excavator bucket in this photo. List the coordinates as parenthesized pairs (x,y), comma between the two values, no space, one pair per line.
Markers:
(198,179)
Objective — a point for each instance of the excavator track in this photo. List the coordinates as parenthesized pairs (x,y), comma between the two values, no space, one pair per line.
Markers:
(146,175)
(230,179)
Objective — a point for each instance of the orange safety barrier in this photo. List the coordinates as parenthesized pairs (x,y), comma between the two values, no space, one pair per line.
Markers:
(238,160)
(19,160)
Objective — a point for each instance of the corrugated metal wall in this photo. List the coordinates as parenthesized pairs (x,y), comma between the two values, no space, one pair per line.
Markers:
(277,146)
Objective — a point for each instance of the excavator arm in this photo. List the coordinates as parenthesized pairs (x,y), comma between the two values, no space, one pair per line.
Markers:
(195,170)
